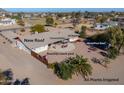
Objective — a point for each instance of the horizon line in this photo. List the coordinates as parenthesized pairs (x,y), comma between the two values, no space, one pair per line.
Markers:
(63,9)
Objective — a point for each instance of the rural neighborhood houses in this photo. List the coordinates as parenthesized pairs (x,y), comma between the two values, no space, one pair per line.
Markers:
(53,47)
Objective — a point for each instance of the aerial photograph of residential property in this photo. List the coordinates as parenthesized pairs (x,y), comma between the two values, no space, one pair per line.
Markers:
(61,46)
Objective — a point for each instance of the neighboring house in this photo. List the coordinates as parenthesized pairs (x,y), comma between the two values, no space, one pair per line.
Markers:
(112,23)
(14,14)
(27,15)
(36,14)
(120,21)
(90,20)
(7,21)
(100,26)
(43,15)
(2,15)
(104,26)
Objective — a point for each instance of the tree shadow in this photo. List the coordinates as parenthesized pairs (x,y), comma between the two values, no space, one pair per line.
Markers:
(25,81)
(98,61)
(103,54)
(8,73)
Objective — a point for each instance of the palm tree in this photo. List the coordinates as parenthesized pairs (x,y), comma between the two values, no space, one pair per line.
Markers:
(82,67)
(73,65)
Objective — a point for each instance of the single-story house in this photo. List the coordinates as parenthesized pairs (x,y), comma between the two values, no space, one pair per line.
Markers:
(103,26)
(120,21)
(40,42)
(7,21)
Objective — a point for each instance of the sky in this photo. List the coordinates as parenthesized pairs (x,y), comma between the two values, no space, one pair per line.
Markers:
(63,9)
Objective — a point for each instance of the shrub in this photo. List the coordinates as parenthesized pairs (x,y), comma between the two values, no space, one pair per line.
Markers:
(112,53)
(38,28)
(83,32)
(49,21)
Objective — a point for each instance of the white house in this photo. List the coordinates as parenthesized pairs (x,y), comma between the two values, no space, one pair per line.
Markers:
(103,26)
(41,42)
(7,21)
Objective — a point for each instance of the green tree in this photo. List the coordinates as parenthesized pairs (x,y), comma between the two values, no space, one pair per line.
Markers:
(83,31)
(112,52)
(49,21)
(116,38)
(22,30)
(76,16)
(16,17)
(38,28)
(56,24)
(101,19)
(63,71)
(81,67)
